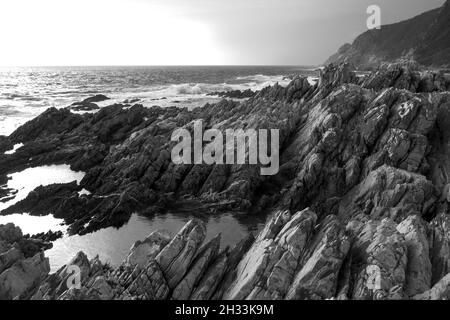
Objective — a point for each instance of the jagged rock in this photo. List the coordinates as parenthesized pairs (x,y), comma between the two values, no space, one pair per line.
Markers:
(418,271)
(31,247)
(52,121)
(133,100)
(397,75)
(8,258)
(211,279)
(56,284)
(22,277)
(148,283)
(10,233)
(389,192)
(440,291)
(318,277)
(269,266)
(100,290)
(175,258)
(84,106)
(48,236)
(44,199)
(440,247)
(185,287)
(234,257)
(379,258)
(234,94)
(143,251)
(5,144)
(96,98)
(334,76)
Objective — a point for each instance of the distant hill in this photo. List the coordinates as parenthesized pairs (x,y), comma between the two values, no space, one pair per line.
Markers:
(424,38)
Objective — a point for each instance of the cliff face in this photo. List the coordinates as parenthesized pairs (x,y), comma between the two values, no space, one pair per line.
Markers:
(425,38)
(360,207)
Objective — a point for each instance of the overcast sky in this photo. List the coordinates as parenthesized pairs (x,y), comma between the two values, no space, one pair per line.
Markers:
(179,32)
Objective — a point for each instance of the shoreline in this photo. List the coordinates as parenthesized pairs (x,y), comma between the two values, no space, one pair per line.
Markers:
(361,171)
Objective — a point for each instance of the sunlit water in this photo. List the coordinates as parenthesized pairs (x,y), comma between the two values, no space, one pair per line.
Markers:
(26,92)
(15,148)
(34,224)
(29,179)
(111,244)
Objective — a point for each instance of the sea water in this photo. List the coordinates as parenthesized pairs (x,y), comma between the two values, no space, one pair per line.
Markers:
(26,92)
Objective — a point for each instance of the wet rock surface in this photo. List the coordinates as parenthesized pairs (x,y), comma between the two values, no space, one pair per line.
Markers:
(358,210)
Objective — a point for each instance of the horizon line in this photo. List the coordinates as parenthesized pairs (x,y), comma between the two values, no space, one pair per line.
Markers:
(164,65)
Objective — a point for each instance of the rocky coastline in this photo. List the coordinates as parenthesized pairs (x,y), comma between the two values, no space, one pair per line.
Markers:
(363,186)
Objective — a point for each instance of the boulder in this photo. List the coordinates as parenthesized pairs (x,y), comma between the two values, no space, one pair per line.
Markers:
(197,270)
(211,279)
(23,277)
(440,291)
(10,233)
(440,247)
(318,277)
(143,251)
(418,271)
(379,255)
(175,258)
(268,268)
(8,258)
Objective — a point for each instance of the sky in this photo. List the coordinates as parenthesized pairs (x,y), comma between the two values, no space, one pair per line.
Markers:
(186,32)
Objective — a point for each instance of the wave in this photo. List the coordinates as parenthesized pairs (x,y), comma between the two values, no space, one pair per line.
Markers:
(198,88)
(29,100)
(25,97)
(255,83)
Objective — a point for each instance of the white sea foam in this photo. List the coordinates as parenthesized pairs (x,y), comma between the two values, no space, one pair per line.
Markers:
(25,93)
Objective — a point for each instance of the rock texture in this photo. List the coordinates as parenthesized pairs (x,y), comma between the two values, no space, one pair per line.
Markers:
(358,210)
(23,265)
(234,94)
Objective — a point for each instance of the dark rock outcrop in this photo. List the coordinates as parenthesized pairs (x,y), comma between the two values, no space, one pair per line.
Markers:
(23,265)
(234,94)
(5,144)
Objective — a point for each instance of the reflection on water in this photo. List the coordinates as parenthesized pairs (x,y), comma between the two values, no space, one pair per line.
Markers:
(112,245)
(29,179)
(26,92)
(34,224)
(14,149)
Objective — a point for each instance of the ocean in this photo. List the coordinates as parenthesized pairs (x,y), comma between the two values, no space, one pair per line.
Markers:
(26,92)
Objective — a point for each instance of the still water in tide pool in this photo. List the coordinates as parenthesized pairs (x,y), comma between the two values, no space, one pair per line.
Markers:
(111,244)
(29,179)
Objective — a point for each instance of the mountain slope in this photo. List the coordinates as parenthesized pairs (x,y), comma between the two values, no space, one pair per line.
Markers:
(424,38)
